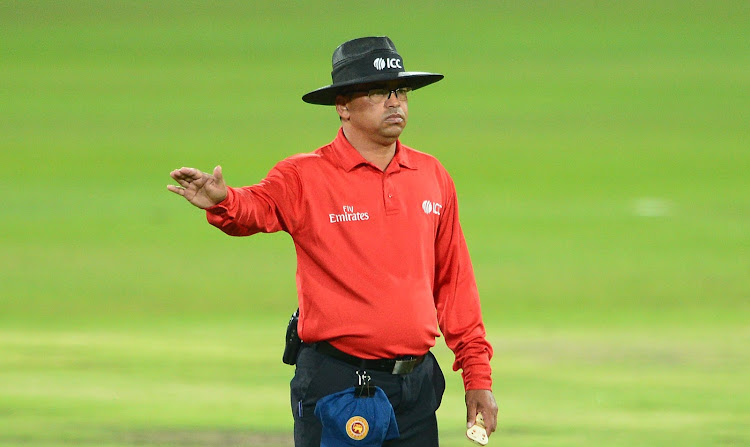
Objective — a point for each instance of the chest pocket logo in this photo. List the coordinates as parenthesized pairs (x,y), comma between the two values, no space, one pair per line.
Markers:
(431,207)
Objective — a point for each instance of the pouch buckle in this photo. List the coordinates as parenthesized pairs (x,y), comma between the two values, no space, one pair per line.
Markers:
(404,366)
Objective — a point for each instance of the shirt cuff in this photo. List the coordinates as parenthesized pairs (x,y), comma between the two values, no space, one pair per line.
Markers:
(223,206)
(477,376)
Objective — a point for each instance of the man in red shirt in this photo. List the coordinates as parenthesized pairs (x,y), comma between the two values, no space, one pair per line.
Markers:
(382,260)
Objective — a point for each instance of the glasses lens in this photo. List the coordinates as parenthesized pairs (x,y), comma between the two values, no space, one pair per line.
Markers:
(378,95)
(402,93)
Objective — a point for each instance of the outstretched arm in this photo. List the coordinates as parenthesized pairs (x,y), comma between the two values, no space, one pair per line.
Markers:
(199,188)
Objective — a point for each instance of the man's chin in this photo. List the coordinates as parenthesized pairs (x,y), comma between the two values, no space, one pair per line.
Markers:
(393,130)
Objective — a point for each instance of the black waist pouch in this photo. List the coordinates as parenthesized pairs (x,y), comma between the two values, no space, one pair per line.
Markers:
(292,342)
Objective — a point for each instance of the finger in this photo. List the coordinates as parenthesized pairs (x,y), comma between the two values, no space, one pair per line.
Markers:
(490,422)
(177,175)
(183,182)
(471,413)
(176,190)
(186,174)
(177,172)
(490,419)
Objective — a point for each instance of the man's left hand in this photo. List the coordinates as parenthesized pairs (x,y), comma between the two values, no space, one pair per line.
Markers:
(481,401)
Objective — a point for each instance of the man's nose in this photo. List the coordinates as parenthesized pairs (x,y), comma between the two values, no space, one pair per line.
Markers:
(392,100)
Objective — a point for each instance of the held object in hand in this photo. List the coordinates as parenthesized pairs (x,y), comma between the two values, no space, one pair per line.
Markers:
(477,432)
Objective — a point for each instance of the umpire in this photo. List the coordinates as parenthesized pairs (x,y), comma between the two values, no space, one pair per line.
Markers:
(382,260)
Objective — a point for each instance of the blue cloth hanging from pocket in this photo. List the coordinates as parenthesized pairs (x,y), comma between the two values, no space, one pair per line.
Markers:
(357,421)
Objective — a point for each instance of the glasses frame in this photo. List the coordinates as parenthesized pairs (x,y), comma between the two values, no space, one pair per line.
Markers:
(402,94)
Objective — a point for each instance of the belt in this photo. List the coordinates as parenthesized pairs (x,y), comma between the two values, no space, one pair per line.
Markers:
(402,365)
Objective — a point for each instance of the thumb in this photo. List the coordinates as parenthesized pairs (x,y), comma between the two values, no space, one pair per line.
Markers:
(218,176)
(471,413)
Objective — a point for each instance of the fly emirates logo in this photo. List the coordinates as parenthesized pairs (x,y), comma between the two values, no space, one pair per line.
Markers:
(349,215)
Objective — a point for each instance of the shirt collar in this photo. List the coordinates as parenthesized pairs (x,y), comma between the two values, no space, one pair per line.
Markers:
(349,158)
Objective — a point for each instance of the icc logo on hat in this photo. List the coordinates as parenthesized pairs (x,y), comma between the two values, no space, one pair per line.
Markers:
(391,62)
(357,428)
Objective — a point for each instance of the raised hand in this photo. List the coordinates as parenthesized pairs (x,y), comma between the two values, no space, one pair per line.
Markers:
(199,188)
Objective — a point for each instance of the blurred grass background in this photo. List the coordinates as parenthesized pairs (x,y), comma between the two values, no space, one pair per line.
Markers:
(600,150)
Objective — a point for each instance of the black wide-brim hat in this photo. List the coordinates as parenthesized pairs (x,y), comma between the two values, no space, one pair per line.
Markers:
(367,60)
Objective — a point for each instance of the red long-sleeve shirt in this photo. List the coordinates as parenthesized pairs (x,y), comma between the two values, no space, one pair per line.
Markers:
(381,257)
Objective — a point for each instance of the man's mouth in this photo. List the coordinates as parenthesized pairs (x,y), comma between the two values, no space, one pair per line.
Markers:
(394,118)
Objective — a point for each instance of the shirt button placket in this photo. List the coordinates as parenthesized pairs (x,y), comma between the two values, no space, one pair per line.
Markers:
(389,196)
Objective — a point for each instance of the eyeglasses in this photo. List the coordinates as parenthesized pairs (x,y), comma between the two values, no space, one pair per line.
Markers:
(379,95)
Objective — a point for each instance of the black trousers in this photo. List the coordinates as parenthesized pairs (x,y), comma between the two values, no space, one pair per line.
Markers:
(415,397)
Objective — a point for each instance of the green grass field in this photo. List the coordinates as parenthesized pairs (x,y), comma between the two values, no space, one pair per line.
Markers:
(602,155)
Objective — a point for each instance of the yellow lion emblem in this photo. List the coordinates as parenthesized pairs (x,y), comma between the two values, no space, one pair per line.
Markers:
(357,428)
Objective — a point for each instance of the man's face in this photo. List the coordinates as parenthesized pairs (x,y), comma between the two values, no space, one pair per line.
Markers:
(381,117)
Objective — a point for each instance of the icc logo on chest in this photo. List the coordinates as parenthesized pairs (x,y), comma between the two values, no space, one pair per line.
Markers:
(431,207)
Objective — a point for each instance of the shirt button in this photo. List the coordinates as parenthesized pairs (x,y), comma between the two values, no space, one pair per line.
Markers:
(390,196)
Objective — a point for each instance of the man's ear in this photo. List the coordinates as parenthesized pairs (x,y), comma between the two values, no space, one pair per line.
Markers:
(341,107)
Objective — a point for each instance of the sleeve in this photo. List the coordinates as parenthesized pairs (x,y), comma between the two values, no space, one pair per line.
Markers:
(457,299)
(272,205)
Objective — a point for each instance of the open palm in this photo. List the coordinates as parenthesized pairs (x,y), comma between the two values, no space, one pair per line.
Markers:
(199,188)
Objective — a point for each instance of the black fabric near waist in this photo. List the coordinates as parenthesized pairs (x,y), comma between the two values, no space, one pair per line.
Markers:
(402,365)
